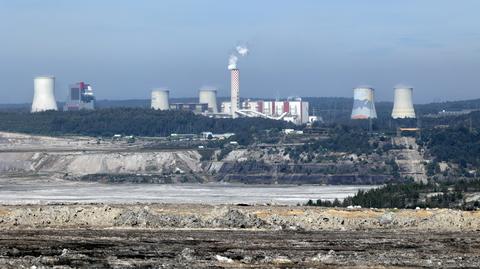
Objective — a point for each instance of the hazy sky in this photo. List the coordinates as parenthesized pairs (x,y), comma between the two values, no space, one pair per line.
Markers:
(298,48)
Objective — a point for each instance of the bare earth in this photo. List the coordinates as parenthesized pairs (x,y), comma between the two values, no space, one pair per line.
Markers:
(226,236)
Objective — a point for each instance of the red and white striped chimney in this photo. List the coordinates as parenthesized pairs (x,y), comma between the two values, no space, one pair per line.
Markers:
(235,91)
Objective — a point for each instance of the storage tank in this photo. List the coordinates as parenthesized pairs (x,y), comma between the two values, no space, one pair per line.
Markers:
(364,103)
(43,94)
(208,96)
(403,103)
(160,99)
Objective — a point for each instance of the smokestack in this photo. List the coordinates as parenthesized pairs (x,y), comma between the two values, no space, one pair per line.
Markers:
(364,103)
(209,96)
(235,91)
(160,99)
(44,94)
(403,103)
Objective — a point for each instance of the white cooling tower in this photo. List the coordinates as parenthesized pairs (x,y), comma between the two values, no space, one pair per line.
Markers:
(208,96)
(403,103)
(364,103)
(44,94)
(234,91)
(160,99)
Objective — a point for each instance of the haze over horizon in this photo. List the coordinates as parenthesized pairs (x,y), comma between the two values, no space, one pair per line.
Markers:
(301,48)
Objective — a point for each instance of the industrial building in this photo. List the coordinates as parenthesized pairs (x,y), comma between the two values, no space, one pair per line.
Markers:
(44,94)
(192,107)
(403,103)
(295,110)
(363,103)
(80,97)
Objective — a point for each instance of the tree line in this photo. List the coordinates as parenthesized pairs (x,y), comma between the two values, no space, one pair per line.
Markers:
(132,121)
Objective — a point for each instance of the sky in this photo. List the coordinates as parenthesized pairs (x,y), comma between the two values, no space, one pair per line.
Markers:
(297,48)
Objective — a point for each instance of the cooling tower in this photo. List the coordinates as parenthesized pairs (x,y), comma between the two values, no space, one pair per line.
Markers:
(209,96)
(235,91)
(364,103)
(44,94)
(160,99)
(403,103)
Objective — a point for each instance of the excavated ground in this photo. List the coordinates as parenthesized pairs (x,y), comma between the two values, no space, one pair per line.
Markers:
(227,236)
(133,248)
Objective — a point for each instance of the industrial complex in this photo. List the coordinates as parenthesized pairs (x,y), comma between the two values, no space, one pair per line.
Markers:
(295,110)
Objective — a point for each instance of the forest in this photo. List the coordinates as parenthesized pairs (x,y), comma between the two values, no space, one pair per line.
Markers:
(132,121)
(458,145)
(449,194)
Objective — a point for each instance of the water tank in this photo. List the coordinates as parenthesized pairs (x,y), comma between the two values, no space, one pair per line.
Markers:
(209,96)
(403,103)
(44,94)
(160,99)
(364,103)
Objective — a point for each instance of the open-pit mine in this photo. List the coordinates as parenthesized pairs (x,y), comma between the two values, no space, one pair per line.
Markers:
(80,202)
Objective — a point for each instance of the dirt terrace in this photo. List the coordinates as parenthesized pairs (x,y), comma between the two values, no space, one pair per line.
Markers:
(195,216)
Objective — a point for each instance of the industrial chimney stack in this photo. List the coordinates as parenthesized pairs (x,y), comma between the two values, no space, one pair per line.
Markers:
(235,91)
(160,99)
(44,94)
(364,103)
(403,103)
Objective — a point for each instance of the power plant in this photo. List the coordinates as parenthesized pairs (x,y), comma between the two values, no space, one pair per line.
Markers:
(293,110)
(209,97)
(403,103)
(44,94)
(363,103)
(160,99)
(80,97)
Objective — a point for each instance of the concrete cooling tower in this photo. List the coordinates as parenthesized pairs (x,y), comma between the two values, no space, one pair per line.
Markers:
(160,99)
(44,94)
(364,104)
(403,103)
(209,96)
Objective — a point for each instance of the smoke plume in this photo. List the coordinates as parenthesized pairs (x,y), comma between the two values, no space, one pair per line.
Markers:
(240,51)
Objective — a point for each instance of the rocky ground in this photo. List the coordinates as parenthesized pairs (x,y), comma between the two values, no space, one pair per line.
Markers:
(140,248)
(227,236)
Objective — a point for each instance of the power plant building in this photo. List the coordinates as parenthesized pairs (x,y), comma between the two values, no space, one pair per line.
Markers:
(403,103)
(80,97)
(363,103)
(295,111)
(44,94)
(160,99)
(192,107)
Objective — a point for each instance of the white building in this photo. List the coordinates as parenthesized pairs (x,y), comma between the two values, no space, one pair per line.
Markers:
(295,111)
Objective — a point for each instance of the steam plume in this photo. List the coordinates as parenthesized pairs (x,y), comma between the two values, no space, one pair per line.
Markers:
(240,50)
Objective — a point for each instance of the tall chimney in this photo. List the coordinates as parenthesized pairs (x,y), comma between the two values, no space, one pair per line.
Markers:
(235,91)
